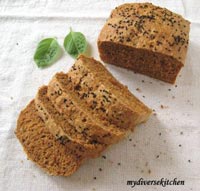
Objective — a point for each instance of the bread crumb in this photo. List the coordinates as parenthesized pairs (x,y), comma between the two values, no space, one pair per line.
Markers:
(138,89)
(163,107)
(104,157)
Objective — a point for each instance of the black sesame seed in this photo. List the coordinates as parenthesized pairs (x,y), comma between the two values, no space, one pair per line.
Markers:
(128,39)
(104,157)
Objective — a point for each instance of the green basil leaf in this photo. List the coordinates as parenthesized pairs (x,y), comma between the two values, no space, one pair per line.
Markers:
(47,52)
(75,43)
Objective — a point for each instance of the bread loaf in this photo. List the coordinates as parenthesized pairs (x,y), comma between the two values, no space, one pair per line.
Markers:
(146,39)
(42,148)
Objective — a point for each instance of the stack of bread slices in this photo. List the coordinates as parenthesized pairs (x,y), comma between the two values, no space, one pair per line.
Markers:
(77,116)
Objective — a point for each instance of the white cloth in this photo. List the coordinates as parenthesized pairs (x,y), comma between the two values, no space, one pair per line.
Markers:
(167,146)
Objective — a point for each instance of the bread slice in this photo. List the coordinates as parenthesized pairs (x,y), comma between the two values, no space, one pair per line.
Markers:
(79,115)
(146,39)
(107,98)
(58,125)
(41,146)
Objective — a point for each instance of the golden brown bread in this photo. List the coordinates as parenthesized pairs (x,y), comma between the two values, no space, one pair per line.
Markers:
(145,38)
(105,96)
(77,116)
(41,147)
(59,126)
(78,113)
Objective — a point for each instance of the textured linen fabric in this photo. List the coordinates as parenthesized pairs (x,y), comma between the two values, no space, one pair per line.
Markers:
(167,146)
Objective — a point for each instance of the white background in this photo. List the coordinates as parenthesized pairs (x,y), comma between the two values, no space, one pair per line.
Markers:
(167,146)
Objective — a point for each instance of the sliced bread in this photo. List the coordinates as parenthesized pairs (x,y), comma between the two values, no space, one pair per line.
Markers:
(105,95)
(59,126)
(41,146)
(78,113)
(67,102)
